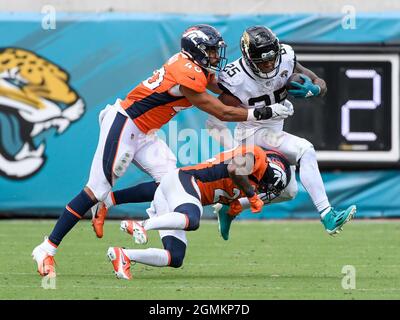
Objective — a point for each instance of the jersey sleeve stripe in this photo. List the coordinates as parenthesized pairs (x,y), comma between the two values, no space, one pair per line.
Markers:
(152,101)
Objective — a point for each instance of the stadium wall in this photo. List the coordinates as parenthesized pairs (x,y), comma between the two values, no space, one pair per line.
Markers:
(103,57)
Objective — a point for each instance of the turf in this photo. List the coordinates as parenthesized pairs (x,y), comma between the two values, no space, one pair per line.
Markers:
(262,260)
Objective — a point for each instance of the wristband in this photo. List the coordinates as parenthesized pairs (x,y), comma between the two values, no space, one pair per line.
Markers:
(250,114)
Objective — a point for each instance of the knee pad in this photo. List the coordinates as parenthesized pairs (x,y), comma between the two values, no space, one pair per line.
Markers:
(177,250)
(192,211)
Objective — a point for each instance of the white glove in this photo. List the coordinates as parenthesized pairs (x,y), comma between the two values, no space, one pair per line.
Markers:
(288,104)
(281,111)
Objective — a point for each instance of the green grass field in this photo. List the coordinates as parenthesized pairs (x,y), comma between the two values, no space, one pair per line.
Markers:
(262,260)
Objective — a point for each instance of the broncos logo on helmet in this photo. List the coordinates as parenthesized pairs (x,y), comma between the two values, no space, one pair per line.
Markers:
(277,175)
(34,96)
(198,41)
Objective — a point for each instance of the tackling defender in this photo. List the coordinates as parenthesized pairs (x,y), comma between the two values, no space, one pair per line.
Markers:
(259,78)
(178,202)
(127,128)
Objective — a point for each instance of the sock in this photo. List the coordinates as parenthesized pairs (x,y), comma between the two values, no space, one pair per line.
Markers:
(151,256)
(73,212)
(143,192)
(311,179)
(168,221)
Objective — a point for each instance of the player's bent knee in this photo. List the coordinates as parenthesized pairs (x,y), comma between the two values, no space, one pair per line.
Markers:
(177,250)
(99,191)
(193,213)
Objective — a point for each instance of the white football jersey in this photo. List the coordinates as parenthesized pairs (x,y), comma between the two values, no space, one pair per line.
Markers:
(254,92)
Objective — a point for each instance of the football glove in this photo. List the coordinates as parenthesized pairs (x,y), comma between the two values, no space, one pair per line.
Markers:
(256,204)
(305,90)
(283,115)
(273,111)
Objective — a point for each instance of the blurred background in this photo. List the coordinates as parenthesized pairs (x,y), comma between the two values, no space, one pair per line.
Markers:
(83,55)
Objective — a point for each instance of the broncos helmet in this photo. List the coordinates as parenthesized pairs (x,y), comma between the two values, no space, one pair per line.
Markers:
(277,175)
(259,44)
(198,40)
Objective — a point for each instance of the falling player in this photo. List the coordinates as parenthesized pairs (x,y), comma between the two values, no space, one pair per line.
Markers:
(178,202)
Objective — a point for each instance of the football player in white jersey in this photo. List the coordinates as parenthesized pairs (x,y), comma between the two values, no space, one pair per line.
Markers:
(259,79)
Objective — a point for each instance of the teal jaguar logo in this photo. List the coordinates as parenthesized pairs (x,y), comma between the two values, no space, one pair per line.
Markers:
(35,96)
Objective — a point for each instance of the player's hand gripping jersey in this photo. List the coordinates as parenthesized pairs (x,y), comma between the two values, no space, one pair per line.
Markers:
(238,79)
(156,100)
(213,179)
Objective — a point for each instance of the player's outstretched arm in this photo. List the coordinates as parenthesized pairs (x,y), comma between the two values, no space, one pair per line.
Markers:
(215,107)
(314,78)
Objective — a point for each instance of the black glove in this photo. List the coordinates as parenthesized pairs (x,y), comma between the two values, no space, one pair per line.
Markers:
(263,113)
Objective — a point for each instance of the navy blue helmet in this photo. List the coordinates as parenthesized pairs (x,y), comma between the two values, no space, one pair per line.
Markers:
(259,44)
(199,41)
(277,175)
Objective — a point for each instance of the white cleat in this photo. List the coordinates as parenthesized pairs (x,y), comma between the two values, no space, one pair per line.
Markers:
(136,230)
(121,263)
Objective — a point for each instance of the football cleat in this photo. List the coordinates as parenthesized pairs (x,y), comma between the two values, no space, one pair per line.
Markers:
(99,213)
(333,221)
(121,263)
(224,220)
(136,230)
(45,262)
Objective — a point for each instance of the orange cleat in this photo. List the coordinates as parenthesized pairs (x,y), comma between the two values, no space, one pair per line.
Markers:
(99,213)
(45,262)
(121,263)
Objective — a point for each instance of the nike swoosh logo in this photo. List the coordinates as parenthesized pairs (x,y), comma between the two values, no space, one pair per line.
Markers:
(193,78)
